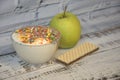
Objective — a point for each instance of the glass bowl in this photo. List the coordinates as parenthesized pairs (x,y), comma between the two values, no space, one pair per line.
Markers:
(36,53)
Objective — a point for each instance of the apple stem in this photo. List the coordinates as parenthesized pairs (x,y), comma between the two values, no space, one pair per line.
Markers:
(65,11)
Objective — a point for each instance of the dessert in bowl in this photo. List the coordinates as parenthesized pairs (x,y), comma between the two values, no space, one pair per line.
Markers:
(36,44)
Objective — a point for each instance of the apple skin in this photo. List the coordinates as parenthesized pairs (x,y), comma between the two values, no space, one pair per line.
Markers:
(69,27)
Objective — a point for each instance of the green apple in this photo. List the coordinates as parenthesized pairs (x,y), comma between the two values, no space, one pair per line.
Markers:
(69,26)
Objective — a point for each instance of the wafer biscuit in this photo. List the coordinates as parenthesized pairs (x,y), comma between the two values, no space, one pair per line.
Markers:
(76,53)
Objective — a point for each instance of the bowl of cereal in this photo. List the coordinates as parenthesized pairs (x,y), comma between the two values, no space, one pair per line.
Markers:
(36,44)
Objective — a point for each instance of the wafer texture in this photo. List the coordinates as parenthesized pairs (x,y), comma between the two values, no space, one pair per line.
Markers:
(76,53)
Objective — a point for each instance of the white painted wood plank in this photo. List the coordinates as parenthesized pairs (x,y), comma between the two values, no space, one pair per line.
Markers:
(105,63)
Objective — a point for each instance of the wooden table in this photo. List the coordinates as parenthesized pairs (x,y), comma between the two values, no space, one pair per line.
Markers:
(103,64)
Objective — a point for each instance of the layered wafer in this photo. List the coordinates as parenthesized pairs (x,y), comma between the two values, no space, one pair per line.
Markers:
(76,53)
